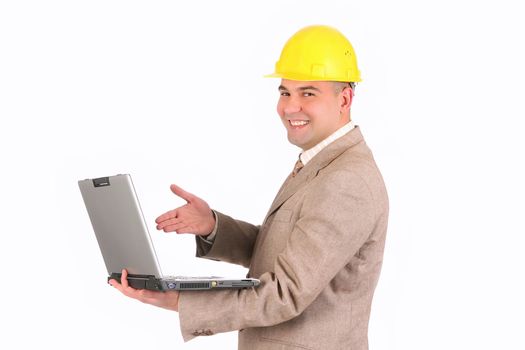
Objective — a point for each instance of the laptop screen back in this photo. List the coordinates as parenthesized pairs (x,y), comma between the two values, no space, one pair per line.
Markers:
(119,225)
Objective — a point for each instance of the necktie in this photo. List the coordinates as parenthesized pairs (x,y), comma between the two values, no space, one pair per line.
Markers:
(298,166)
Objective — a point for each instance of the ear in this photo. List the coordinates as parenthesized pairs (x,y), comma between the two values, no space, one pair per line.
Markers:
(345,99)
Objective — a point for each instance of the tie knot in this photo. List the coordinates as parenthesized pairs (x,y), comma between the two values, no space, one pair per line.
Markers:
(298,166)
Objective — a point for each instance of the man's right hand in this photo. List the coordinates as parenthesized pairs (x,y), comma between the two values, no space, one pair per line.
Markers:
(194,217)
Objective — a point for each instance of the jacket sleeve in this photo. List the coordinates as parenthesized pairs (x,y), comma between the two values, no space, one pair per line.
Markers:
(233,242)
(336,218)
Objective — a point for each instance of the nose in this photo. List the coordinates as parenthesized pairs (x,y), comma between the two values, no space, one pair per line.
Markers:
(289,105)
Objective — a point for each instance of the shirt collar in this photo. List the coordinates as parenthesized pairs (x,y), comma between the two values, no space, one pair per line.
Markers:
(306,156)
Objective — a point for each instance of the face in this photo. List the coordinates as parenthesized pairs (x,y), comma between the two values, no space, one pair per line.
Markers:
(312,110)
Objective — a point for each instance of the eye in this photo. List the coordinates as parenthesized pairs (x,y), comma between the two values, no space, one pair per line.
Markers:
(308,94)
(284,93)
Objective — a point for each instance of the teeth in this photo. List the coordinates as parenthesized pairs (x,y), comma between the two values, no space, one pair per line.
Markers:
(298,122)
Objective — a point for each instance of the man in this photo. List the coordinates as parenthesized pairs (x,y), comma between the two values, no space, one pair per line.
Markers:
(318,252)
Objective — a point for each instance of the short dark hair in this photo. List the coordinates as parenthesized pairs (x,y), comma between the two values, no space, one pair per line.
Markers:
(340,85)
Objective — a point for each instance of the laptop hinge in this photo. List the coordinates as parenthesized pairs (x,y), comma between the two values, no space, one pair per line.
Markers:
(139,281)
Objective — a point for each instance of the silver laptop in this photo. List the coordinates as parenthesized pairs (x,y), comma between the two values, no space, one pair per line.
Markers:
(124,240)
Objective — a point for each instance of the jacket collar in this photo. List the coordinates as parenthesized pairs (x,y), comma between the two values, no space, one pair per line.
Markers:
(292,184)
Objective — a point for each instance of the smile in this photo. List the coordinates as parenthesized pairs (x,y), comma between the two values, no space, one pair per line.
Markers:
(298,122)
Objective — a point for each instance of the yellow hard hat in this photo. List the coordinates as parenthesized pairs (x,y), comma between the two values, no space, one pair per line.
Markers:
(317,53)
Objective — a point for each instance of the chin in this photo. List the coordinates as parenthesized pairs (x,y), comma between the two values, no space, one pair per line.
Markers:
(294,142)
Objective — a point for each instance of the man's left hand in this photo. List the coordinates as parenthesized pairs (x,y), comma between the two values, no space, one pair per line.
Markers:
(167,300)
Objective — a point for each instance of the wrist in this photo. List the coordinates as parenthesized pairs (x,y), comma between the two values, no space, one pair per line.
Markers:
(211,236)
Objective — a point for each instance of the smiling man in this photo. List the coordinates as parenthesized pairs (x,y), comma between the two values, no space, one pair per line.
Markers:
(318,252)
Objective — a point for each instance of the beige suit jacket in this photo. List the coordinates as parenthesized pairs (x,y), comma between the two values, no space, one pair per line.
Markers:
(318,255)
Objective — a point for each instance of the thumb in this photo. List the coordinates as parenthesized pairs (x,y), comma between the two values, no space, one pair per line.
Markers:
(181,193)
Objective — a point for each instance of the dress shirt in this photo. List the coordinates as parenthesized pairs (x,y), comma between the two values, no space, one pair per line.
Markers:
(306,156)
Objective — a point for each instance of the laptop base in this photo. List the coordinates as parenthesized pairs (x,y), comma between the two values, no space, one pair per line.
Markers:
(182,283)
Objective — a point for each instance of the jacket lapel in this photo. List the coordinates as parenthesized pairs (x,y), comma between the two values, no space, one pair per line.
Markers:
(292,184)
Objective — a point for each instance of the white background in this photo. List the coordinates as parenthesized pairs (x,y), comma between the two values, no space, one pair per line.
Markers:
(172,92)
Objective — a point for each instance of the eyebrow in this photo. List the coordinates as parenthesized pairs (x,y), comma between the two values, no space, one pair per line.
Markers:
(302,88)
